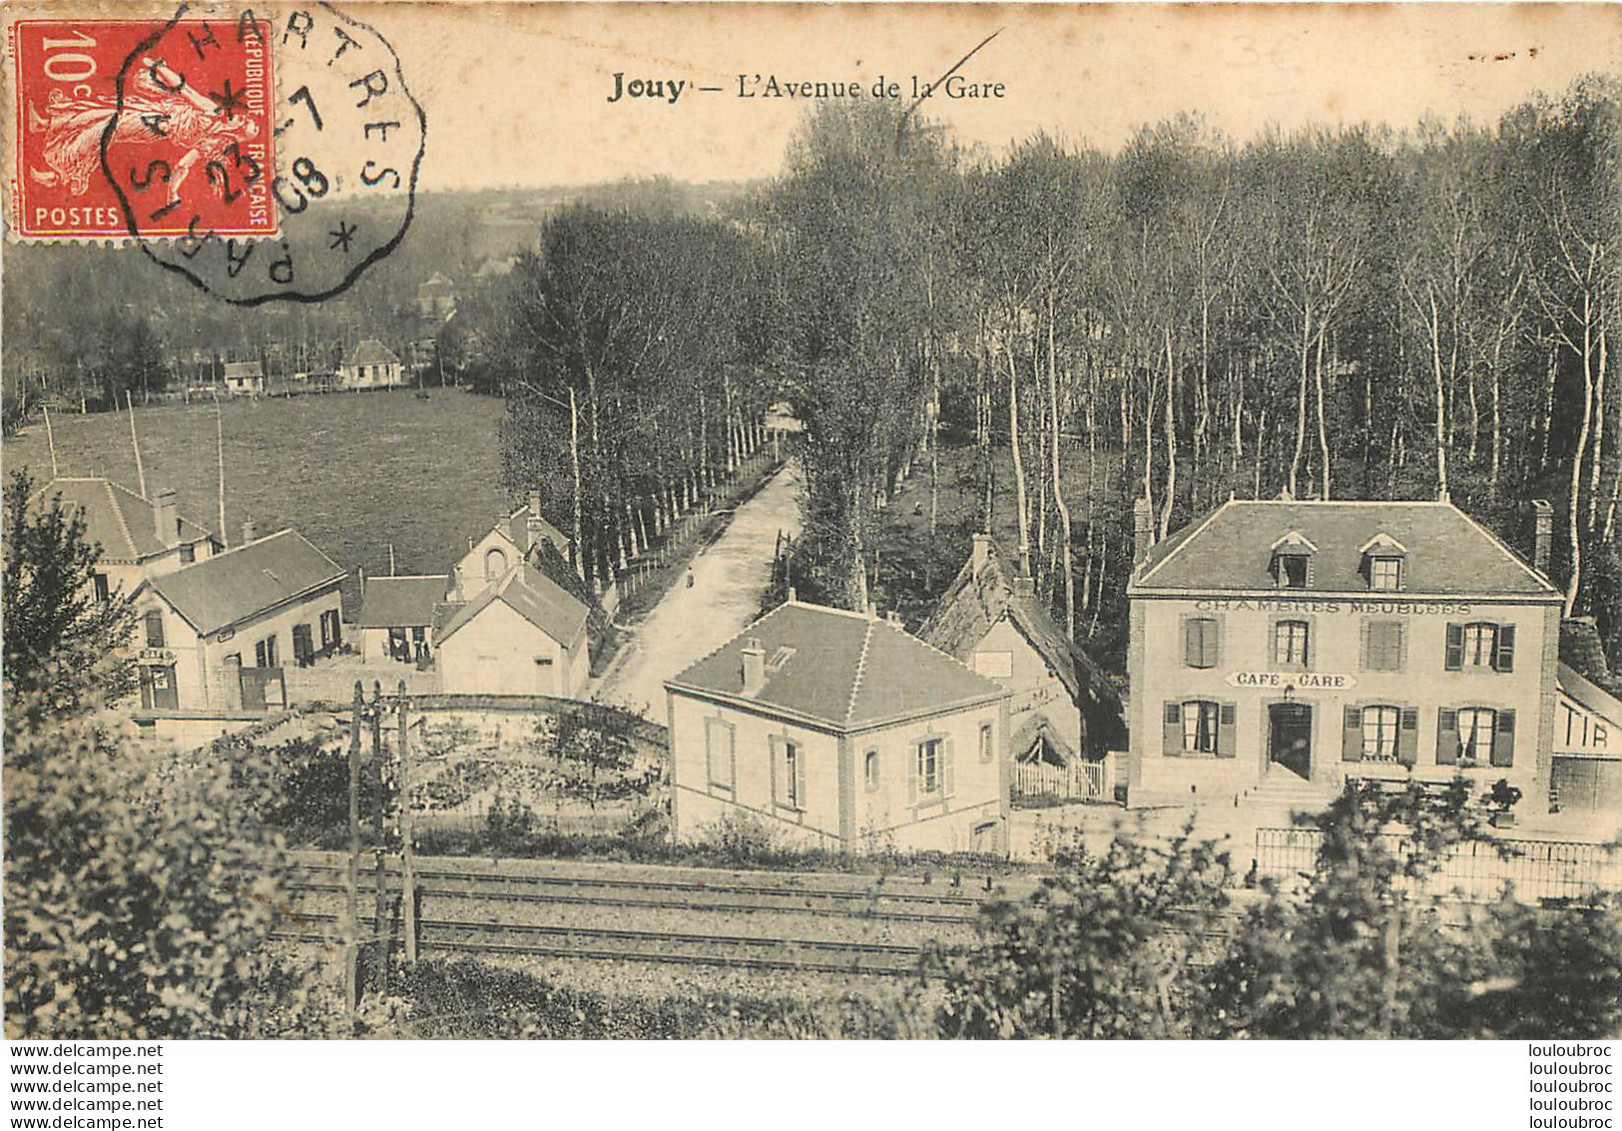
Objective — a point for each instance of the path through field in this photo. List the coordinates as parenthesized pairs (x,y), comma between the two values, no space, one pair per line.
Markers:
(728,580)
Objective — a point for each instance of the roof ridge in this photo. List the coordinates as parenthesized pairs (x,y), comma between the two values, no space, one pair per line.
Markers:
(1192,534)
(123,523)
(861,670)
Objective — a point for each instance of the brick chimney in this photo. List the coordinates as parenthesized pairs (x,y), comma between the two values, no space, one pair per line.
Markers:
(754,667)
(1542,534)
(1142,530)
(981,553)
(165,517)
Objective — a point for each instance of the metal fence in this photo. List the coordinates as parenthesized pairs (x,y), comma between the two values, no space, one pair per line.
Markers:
(1535,870)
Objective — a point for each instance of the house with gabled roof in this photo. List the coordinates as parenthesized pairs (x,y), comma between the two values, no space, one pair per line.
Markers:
(1063,709)
(216,635)
(139,537)
(840,731)
(244,378)
(397,616)
(1281,647)
(371,365)
(524,634)
(508,541)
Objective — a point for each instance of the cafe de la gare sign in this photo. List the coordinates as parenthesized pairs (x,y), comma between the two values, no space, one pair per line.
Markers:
(1301,681)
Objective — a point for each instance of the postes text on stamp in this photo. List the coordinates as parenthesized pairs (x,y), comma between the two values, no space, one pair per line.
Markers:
(180,111)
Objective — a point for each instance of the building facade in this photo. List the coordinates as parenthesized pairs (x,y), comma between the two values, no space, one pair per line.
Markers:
(523,635)
(1300,644)
(371,365)
(839,731)
(216,635)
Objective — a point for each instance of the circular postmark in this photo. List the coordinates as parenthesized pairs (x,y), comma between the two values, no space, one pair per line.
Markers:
(265,160)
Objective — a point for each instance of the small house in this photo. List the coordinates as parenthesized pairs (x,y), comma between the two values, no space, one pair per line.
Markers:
(396,619)
(522,635)
(1063,711)
(371,365)
(244,378)
(215,635)
(840,731)
(509,541)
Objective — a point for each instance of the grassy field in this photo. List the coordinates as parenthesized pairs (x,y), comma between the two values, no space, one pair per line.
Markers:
(353,472)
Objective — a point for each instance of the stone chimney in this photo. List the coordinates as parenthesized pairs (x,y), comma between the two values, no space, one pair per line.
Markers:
(250,530)
(534,524)
(165,517)
(754,667)
(453,591)
(981,553)
(1542,534)
(1142,530)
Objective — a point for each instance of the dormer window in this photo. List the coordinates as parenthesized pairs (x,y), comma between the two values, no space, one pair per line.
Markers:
(1292,561)
(1383,561)
(1385,574)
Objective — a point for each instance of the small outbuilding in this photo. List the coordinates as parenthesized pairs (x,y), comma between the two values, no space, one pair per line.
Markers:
(396,619)
(522,635)
(371,365)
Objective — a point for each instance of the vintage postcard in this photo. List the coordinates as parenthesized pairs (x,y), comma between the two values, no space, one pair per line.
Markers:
(770,521)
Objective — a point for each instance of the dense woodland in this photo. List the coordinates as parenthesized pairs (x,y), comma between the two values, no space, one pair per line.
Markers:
(1347,313)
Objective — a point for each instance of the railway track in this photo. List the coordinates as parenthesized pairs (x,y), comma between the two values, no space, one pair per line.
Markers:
(674,895)
(669,947)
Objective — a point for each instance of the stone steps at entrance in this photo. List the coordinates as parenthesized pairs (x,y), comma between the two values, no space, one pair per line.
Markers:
(1284,790)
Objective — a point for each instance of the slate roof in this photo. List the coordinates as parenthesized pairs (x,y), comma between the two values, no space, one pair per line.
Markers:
(845,670)
(227,588)
(1582,650)
(240,369)
(531,594)
(1588,693)
(978,600)
(1449,553)
(516,529)
(122,521)
(400,602)
(372,352)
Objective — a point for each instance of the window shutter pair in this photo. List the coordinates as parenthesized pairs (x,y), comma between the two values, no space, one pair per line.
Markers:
(1455,647)
(1447,731)
(1503,742)
(1382,646)
(1351,735)
(1172,736)
(1504,655)
(1227,726)
(1408,737)
(1200,642)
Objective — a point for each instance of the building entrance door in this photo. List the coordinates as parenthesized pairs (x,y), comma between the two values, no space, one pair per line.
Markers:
(1289,737)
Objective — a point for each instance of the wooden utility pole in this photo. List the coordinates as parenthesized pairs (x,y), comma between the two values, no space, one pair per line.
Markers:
(140,471)
(380,904)
(408,852)
(50,438)
(352,879)
(219,443)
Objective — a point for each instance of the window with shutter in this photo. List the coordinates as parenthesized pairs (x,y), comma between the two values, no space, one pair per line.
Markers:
(1408,737)
(1381,725)
(1351,735)
(1200,642)
(154,628)
(987,749)
(1477,728)
(1383,651)
(948,782)
(870,770)
(1503,746)
(1504,657)
(929,766)
(1227,731)
(1172,731)
(1455,648)
(1290,643)
(1200,723)
(1447,737)
(1480,645)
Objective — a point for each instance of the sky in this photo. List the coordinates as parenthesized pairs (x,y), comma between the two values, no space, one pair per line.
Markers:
(518,95)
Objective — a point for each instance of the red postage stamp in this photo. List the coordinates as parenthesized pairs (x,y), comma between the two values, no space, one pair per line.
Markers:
(180,112)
